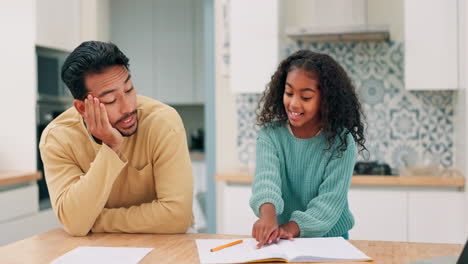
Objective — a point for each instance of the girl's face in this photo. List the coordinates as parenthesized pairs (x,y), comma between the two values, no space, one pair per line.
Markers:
(302,102)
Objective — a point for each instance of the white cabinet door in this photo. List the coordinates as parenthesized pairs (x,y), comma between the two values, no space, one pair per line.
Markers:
(58,24)
(379,214)
(131,30)
(18,70)
(254,44)
(237,217)
(18,202)
(437,216)
(28,225)
(199,175)
(173,45)
(431,44)
(164,41)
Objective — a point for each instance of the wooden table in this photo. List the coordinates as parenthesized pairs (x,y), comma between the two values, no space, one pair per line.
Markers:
(181,248)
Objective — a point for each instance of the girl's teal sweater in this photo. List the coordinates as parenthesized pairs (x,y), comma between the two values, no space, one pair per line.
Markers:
(305,183)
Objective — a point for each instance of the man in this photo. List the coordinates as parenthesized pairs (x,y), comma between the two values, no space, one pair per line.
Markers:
(115,161)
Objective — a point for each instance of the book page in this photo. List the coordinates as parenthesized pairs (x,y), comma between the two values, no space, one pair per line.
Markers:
(326,249)
(243,252)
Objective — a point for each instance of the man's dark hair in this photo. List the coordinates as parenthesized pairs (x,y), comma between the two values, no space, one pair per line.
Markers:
(90,57)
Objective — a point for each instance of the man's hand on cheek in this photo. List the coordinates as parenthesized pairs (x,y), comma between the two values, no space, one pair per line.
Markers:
(98,124)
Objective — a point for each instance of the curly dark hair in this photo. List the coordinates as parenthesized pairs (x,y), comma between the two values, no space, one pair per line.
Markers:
(340,110)
(90,57)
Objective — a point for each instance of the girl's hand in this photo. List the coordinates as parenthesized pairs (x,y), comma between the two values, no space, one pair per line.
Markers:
(284,234)
(285,231)
(265,229)
(289,230)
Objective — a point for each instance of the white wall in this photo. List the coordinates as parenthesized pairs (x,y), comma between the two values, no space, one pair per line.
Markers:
(95,17)
(226,117)
(18,71)
(461,116)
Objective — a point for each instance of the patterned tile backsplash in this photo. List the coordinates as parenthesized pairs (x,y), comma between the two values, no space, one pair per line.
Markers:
(402,126)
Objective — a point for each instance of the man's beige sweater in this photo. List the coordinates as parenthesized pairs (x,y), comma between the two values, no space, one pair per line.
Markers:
(147,188)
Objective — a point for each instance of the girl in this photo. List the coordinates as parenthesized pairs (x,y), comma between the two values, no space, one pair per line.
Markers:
(310,120)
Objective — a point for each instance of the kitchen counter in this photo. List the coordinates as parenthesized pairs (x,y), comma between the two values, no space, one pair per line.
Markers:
(246,176)
(197,156)
(10,177)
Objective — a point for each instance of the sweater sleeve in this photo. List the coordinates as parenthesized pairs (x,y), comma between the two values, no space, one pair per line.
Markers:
(266,187)
(171,212)
(324,211)
(78,198)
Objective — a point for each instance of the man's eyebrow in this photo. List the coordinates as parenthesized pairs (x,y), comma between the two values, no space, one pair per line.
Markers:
(128,78)
(106,92)
(113,90)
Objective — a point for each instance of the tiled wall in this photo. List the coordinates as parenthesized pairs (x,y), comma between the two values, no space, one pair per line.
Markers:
(401,124)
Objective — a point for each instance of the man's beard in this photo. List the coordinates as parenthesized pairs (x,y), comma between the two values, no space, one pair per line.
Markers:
(134,126)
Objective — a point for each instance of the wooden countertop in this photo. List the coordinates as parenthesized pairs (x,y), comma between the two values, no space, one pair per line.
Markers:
(197,156)
(181,248)
(14,177)
(239,176)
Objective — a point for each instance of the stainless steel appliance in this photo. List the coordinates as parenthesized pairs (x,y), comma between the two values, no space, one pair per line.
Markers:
(53,98)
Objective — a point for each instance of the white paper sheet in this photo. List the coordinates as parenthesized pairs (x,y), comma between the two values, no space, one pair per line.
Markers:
(91,255)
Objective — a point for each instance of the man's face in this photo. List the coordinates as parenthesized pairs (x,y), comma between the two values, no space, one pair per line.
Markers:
(115,90)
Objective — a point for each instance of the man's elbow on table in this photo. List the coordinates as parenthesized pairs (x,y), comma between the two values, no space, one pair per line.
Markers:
(76,230)
(76,227)
(181,223)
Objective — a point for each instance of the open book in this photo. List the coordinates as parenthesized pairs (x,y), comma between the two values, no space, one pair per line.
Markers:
(297,250)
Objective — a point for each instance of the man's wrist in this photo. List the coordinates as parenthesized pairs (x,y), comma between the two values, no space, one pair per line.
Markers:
(115,146)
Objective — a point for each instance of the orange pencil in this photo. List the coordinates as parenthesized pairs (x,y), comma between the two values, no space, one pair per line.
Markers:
(226,245)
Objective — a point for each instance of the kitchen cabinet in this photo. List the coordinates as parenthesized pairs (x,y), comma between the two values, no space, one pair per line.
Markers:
(64,25)
(58,24)
(125,17)
(378,214)
(166,52)
(18,202)
(199,193)
(431,44)
(236,216)
(20,216)
(408,214)
(436,216)
(389,213)
(28,225)
(254,44)
(18,68)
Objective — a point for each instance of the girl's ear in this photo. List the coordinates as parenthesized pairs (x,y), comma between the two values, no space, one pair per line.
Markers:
(79,106)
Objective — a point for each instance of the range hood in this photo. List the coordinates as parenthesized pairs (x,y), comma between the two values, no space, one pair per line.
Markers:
(338,20)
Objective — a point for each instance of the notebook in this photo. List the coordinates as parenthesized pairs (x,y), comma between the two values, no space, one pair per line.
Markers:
(297,250)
